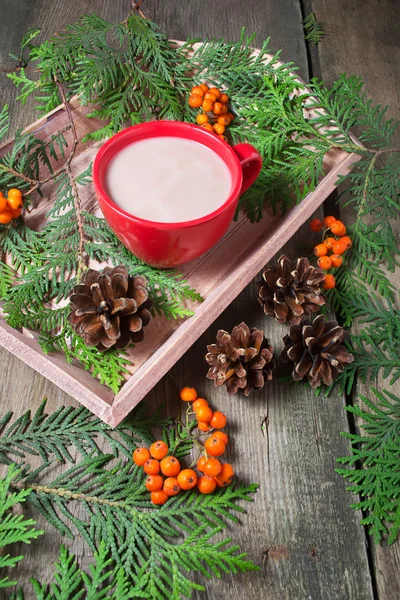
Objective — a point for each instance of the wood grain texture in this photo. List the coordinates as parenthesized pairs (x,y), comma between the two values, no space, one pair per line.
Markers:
(300,529)
(372,52)
(219,276)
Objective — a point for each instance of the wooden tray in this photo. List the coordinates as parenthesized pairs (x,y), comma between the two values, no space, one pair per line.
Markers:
(219,275)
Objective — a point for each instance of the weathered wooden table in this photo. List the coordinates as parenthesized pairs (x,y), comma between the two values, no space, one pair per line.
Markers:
(300,529)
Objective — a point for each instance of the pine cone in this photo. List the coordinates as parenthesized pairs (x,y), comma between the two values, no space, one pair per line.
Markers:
(316,351)
(242,359)
(288,292)
(110,309)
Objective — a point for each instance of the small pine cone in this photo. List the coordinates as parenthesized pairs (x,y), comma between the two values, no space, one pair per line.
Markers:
(241,360)
(316,351)
(110,309)
(288,291)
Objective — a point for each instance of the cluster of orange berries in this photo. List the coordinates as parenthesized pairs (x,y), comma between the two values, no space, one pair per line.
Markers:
(214,104)
(166,478)
(332,247)
(206,418)
(10,207)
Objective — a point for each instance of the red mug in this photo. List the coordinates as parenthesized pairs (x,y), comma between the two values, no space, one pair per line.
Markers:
(170,244)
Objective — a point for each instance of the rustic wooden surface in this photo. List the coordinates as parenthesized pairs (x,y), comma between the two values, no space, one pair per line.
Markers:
(300,529)
(379,71)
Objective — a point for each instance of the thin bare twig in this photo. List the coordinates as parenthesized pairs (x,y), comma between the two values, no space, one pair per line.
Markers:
(74,187)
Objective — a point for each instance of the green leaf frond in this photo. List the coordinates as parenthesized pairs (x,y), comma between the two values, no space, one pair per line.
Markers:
(53,436)
(373,467)
(14,528)
(155,547)
(313,29)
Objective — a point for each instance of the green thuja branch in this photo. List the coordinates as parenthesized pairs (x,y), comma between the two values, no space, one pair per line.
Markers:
(104,580)
(156,548)
(314,30)
(56,434)
(14,528)
(373,468)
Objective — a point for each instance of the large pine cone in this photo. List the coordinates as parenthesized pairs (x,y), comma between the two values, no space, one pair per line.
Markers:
(241,360)
(110,309)
(288,291)
(316,351)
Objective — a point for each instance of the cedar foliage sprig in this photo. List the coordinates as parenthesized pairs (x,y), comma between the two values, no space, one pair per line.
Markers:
(104,580)
(157,549)
(14,528)
(373,468)
(313,29)
(47,435)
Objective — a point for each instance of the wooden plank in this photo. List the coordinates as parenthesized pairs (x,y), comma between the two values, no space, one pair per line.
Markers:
(301,515)
(218,275)
(363,39)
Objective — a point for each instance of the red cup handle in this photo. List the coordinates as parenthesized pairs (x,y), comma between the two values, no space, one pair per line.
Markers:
(251,163)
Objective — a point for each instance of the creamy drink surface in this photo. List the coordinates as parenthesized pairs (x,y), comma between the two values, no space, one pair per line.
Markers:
(168,179)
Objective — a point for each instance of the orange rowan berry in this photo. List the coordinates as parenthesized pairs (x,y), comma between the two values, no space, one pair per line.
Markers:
(159,449)
(219,128)
(170,466)
(321,250)
(208,126)
(16,213)
(231,117)
(329,282)
(187,479)
(215,91)
(154,483)
(223,119)
(5,217)
(151,466)
(207,105)
(195,101)
(202,118)
(226,475)
(346,240)
(140,455)
(203,426)
(204,87)
(188,394)
(221,435)
(224,110)
(223,137)
(329,241)
(328,221)
(338,228)
(337,260)
(224,98)
(212,467)
(316,225)
(159,497)
(206,485)
(171,486)
(214,446)
(197,90)
(324,262)
(199,402)
(218,420)
(339,247)
(3,203)
(217,108)
(210,96)
(204,414)
(200,463)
